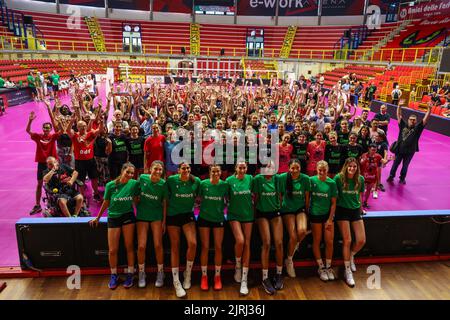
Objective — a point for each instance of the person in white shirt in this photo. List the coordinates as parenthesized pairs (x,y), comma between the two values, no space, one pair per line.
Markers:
(90,86)
(396,94)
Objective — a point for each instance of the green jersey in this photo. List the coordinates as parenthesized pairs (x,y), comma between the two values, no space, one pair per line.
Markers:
(349,197)
(31,80)
(55,79)
(300,186)
(2,82)
(268,194)
(240,206)
(213,200)
(120,197)
(181,194)
(152,194)
(321,194)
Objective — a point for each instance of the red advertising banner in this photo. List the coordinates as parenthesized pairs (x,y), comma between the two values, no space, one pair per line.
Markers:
(89,3)
(173,6)
(425,10)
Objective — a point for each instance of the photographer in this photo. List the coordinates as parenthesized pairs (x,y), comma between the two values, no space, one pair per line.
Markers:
(60,180)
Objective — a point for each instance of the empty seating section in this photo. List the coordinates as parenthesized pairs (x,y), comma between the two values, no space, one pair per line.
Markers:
(311,42)
(57,27)
(363,73)
(215,37)
(374,37)
(417,47)
(316,38)
(208,68)
(406,76)
(273,40)
(157,37)
(255,68)
(18,70)
(12,70)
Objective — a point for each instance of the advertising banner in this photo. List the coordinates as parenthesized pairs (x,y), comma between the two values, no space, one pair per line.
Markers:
(89,3)
(342,7)
(173,6)
(288,41)
(14,97)
(425,10)
(286,7)
(143,5)
(195,39)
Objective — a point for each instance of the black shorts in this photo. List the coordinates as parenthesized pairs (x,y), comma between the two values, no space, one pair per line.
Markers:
(296,212)
(41,167)
(123,220)
(202,223)
(55,88)
(68,194)
(86,167)
(318,219)
(345,214)
(267,215)
(33,90)
(180,220)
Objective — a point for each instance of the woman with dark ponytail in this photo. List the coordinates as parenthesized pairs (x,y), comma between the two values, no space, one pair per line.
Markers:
(182,191)
(120,194)
(294,189)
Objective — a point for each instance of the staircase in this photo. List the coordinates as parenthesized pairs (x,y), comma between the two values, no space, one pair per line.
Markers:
(385,40)
(285,50)
(96,33)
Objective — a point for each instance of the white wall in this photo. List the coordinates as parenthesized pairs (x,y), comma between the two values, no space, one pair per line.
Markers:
(179,17)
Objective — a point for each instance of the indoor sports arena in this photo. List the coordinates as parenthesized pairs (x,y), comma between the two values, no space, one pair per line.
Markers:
(229,150)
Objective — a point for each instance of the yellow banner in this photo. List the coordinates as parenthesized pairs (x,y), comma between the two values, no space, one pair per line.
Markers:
(288,41)
(195,39)
(134,78)
(96,33)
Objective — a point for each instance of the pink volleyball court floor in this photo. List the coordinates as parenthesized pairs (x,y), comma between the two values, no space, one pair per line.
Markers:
(427,188)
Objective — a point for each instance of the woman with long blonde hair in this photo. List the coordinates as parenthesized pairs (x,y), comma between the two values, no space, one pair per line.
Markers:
(350,185)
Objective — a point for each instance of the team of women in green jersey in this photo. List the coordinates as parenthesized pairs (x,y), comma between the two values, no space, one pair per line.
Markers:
(274,201)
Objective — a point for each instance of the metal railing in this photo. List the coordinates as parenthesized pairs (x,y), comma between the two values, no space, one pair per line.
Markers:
(423,55)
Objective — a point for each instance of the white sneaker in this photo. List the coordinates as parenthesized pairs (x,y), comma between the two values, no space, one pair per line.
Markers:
(179,291)
(244,289)
(290,268)
(330,273)
(141,282)
(238,275)
(323,275)
(187,281)
(375,194)
(349,279)
(159,279)
(352,265)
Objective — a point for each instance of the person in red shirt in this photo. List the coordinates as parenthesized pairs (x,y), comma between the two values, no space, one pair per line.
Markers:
(315,152)
(83,150)
(284,154)
(370,161)
(45,147)
(154,147)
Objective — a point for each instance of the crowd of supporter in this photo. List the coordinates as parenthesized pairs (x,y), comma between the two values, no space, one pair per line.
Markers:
(310,123)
